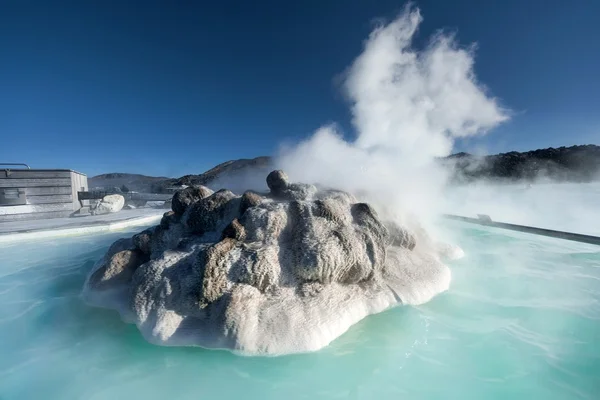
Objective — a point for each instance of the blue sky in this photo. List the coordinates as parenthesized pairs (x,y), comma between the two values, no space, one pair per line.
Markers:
(169,88)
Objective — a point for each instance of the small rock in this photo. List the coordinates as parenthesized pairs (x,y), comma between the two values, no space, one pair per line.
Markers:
(282,189)
(277,181)
(206,213)
(249,199)
(235,230)
(363,211)
(182,199)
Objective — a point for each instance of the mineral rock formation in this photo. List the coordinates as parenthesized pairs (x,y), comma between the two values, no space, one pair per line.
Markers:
(283,272)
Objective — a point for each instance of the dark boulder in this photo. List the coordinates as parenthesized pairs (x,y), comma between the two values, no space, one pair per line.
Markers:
(235,230)
(249,199)
(182,199)
(277,181)
(207,212)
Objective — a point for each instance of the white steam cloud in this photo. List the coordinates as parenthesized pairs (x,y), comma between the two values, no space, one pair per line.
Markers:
(408,107)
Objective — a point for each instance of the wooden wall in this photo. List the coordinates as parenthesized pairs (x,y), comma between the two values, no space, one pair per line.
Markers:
(49,193)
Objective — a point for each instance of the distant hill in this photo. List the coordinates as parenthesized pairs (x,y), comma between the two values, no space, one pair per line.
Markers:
(232,174)
(135,182)
(227,174)
(563,164)
(566,164)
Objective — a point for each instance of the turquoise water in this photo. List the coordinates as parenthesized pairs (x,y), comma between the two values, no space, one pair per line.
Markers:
(521,320)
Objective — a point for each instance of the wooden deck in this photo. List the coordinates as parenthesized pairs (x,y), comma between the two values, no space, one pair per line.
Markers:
(39,194)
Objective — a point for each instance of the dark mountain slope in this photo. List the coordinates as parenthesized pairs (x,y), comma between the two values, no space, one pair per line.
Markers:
(136,182)
(564,164)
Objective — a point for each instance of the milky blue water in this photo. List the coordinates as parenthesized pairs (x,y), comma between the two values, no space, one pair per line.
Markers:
(521,320)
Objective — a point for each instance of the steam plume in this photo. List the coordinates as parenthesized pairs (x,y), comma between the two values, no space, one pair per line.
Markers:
(408,107)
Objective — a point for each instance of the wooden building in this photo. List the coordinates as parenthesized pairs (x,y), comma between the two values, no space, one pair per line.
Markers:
(39,193)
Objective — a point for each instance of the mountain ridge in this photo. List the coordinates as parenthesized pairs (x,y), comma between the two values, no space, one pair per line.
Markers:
(579,163)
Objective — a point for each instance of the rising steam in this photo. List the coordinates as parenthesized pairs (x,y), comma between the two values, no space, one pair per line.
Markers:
(408,107)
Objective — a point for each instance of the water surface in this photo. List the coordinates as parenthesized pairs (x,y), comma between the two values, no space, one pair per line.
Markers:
(521,320)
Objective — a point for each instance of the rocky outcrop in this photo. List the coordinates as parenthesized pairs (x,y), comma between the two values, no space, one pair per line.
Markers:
(284,272)
(109,204)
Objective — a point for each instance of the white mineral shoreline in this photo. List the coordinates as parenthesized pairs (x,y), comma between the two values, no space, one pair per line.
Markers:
(57,227)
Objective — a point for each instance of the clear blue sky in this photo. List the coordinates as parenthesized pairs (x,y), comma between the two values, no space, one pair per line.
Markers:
(175,87)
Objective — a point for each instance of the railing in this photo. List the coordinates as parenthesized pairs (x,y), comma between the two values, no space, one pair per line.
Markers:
(485,220)
(99,194)
(21,164)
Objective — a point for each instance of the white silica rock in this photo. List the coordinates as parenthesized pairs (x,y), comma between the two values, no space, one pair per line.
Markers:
(280,273)
(109,204)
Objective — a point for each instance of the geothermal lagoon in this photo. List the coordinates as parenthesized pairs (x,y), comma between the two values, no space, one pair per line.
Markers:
(519,320)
